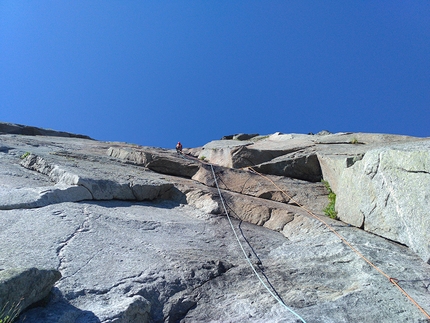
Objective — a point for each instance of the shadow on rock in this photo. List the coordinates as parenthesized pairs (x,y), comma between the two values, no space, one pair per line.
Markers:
(55,308)
(163,204)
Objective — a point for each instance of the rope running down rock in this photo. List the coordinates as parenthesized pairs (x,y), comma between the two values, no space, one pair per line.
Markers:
(394,281)
(246,256)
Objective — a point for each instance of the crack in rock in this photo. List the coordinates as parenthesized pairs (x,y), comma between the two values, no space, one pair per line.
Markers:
(413,171)
(172,300)
(83,227)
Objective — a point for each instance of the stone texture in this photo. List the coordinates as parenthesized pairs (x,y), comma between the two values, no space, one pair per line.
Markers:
(87,183)
(13,128)
(300,166)
(245,182)
(337,152)
(332,166)
(240,154)
(387,193)
(240,136)
(204,201)
(221,152)
(42,196)
(295,155)
(188,267)
(279,219)
(159,160)
(258,211)
(20,288)
(175,258)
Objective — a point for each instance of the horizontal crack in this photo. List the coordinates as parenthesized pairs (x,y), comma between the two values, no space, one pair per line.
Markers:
(414,171)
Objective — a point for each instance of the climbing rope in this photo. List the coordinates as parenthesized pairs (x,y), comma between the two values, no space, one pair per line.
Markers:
(394,281)
(244,252)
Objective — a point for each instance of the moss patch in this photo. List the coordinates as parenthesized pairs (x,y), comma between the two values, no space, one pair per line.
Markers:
(329,210)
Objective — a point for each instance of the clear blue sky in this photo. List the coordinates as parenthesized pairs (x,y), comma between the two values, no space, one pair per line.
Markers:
(155,72)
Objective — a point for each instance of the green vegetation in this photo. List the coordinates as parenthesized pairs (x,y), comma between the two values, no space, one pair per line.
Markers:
(354,141)
(8,315)
(329,210)
(22,157)
(5,319)
(201,158)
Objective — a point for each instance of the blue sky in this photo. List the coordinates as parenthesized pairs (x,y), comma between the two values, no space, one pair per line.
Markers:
(155,72)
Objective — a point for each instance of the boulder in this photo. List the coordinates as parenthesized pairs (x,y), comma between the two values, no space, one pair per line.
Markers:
(251,156)
(130,155)
(125,310)
(241,204)
(279,219)
(20,288)
(193,152)
(135,309)
(387,193)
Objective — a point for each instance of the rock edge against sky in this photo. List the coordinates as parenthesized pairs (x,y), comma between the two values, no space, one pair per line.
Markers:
(138,234)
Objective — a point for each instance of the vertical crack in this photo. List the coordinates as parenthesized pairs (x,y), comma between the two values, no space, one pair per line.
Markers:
(83,227)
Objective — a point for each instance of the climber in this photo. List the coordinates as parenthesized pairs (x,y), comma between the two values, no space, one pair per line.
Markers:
(179,147)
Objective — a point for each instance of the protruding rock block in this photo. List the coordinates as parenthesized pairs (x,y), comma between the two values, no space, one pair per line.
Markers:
(19,288)
(387,193)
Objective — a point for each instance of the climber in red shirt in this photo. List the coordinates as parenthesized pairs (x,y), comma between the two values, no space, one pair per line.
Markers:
(179,147)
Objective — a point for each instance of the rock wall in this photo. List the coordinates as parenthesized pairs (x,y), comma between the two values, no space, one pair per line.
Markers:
(20,288)
(19,129)
(388,193)
(139,233)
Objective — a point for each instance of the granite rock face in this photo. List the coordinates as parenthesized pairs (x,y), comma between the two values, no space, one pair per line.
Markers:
(19,288)
(388,193)
(295,155)
(141,243)
(392,204)
(301,166)
(13,128)
(156,159)
(174,263)
(249,183)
